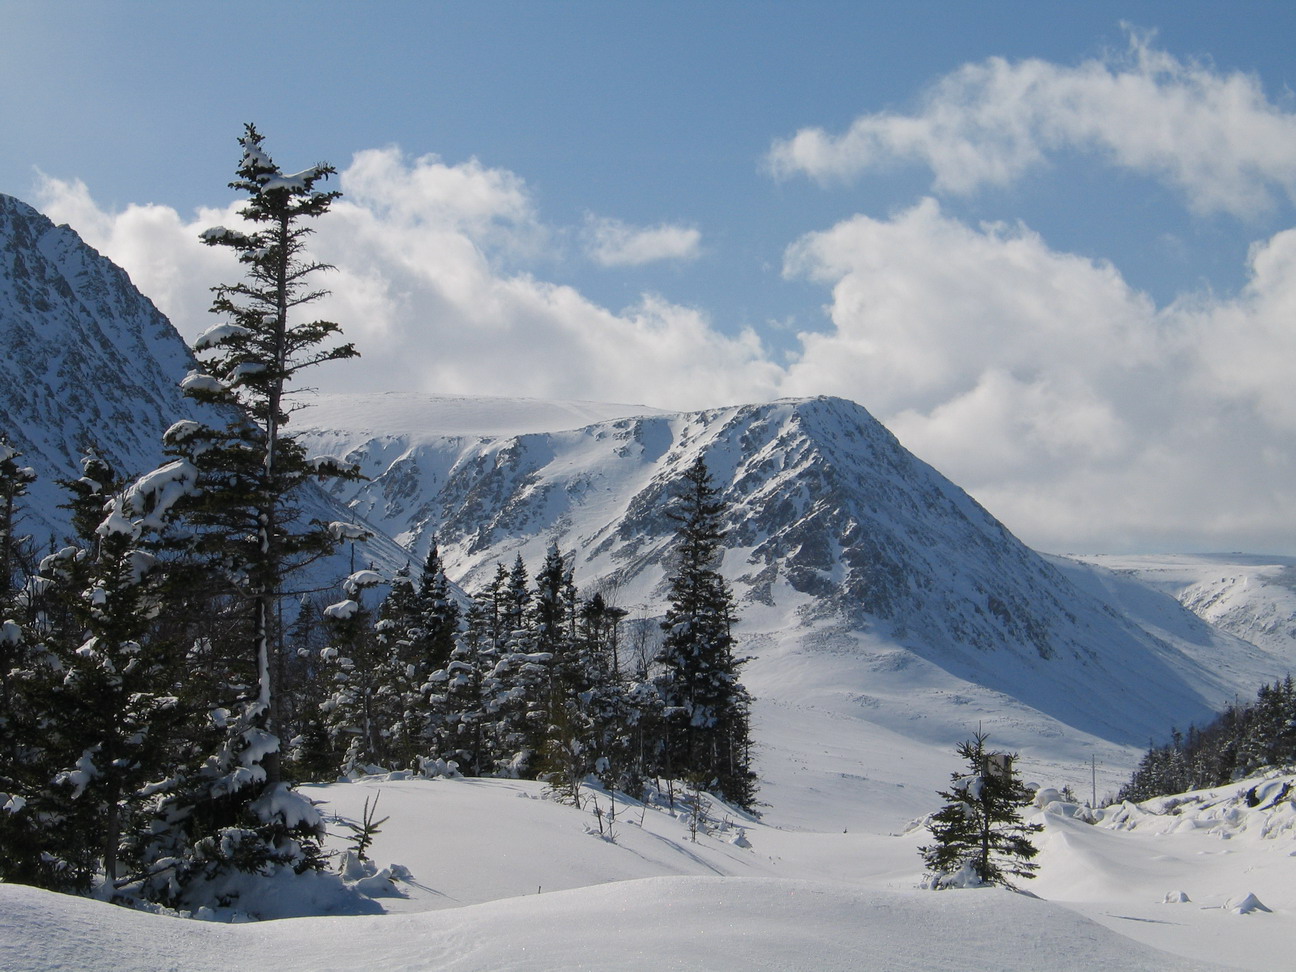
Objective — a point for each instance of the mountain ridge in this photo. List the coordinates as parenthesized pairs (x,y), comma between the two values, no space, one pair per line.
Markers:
(877,599)
(88,362)
(833,531)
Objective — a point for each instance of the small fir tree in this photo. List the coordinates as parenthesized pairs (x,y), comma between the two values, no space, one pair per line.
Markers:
(979,833)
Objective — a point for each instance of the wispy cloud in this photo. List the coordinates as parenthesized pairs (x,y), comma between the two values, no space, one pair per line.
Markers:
(612,243)
(1214,136)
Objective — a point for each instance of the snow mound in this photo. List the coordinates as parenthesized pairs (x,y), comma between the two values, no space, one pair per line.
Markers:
(1245,904)
(653,924)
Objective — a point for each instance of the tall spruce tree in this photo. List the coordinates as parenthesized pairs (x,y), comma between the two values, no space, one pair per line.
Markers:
(706,707)
(979,833)
(240,510)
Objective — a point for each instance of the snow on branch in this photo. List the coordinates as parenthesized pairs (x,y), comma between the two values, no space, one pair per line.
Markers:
(196,381)
(341,530)
(361,579)
(219,334)
(298,181)
(342,611)
(222,236)
(145,504)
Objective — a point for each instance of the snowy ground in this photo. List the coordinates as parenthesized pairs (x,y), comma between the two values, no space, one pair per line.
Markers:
(854,735)
(504,877)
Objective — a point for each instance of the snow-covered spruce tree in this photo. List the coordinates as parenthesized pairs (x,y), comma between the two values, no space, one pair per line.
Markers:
(979,833)
(588,711)
(439,614)
(359,710)
(241,518)
(462,694)
(561,738)
(706,713)
(518,686)
(418,626)
(113,709)
(24,763)
(14,480)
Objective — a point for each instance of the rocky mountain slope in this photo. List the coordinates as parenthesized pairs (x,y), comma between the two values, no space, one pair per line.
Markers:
(837,538)
(86,362)
(84,359)
(884,609)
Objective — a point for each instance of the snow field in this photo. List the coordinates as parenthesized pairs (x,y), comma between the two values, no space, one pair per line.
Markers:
(504,878)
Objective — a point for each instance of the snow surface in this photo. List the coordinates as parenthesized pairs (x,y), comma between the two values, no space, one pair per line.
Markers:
(1250,595)
(503,877)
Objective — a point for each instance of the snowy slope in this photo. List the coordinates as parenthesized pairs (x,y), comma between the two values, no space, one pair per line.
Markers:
(501,877)
(87,361)
(84,360)
(886,612)
(1249,595)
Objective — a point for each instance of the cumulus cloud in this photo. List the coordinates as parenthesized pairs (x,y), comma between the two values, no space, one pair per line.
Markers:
(157,247)
(428,287)
(612,243)
(1069,403)
(1214,136)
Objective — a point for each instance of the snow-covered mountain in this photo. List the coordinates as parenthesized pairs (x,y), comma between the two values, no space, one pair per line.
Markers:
(87,362)
(876,595)
(84,360)
(884,608)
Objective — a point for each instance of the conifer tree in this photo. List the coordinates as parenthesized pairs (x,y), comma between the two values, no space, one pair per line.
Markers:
(358,712)
(114,713)
(14,480)
(25,763)
(458,694)
(706,707)
(518,684)
(242,479)
(979,833)
(439,615)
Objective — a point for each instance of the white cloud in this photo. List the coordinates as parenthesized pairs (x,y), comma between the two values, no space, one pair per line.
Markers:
(1067,402)
(154,245)
(1214,136)
(612,243)
(423,290)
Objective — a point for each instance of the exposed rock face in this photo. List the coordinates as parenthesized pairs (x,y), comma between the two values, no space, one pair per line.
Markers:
(85,359)
(824,506)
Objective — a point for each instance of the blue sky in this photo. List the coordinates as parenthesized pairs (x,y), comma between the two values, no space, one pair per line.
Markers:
(1045,243)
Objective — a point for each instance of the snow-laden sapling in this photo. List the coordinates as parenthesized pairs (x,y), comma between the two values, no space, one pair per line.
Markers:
(980,838)
(366,830)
